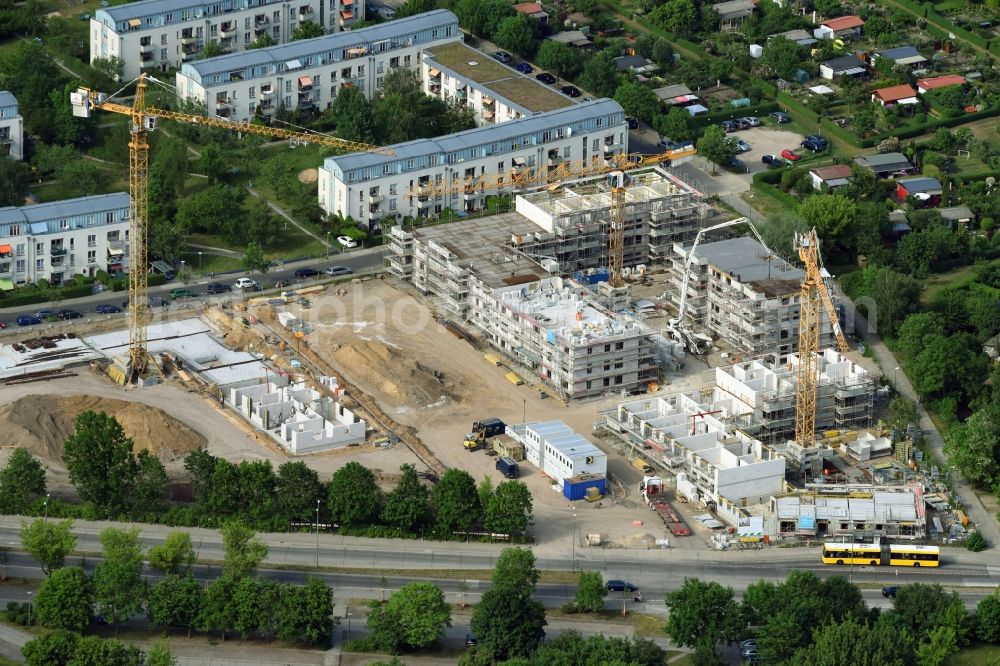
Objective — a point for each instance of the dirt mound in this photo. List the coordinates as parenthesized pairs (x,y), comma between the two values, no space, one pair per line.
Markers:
(308,176)
(400,378)
(42,423)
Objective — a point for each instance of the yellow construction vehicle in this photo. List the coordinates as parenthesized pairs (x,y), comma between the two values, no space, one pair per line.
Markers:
(481,431)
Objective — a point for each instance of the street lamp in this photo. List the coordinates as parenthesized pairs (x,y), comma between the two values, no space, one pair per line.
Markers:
(573,506)
(317,534)
(895,385)
(47,496)
(199,261)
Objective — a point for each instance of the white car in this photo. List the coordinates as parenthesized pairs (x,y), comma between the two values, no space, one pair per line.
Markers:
(347,241)
(244,283)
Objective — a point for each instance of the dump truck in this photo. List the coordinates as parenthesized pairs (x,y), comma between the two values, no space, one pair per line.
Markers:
(508,468)
(481,430)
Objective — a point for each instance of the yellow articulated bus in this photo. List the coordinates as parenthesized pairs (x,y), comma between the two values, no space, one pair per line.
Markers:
(867,554)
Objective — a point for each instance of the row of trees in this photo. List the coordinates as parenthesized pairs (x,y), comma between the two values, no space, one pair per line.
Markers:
(66,647)
(808,621)
(237,601)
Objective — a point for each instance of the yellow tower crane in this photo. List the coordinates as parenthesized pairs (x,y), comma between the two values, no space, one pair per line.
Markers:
(142,120)
(813,294)
(616,167)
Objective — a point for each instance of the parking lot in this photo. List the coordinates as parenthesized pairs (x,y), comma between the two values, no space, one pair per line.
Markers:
(765,140)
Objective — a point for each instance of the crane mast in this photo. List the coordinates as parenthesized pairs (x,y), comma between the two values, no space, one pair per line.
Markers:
(142,120)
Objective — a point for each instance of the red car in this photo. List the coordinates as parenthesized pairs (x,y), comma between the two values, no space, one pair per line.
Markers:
(790,155)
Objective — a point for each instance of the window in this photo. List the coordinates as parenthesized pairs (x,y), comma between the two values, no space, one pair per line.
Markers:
(19,265)
(393,187)
(19,250)
(163,54)
(253,92)
(63,224)
(288,86)
(39,249)
(92,257)
(392,204)
(92,240)
(39,265)
(163,39)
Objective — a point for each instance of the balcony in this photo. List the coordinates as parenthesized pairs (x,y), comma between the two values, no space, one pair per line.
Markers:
(58,251)
(146,48)
(146,56)
(374,198)
(305,84)
(305,13)
(266,92)
(223,101)
(227,30)
(489,103)
(188,40)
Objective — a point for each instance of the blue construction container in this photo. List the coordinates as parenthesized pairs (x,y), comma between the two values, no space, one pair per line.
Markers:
(592,276)
(575,488)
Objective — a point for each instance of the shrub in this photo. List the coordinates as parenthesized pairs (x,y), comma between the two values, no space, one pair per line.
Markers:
(976,542)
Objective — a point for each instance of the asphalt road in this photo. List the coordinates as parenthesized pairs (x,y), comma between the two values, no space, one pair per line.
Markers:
(86,305)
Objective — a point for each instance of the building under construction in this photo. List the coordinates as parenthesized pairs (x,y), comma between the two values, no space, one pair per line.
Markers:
(763,395)
(555,231)
(743,296)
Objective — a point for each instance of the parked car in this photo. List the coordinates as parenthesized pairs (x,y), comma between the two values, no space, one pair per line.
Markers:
(789,154)
(633,123)
(572,91)
(347,241)
(620,585)
(772,161)
(69,314)
(470,640)
(750,642)
(45,314)
(740,124)
(889,592)
(750,652)
(338,270)
(817,144)
(180,292)
(780,117)
(217,288)
(545,78)
(107,308)
(524,68)
(28,320)
(244,283)
(728,126)
(743,146)
(503,57)
(736,164)
(751,121)
(307,272)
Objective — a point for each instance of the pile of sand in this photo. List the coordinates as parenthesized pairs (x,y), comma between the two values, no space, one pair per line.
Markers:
(308,176)
(397,376)
(42,423)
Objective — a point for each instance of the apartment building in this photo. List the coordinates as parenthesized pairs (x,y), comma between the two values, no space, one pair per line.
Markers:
(308,73)
(164,34)
(11,127)
(57,240)
(763,395)
(496,93)
(368,187)
(743,297)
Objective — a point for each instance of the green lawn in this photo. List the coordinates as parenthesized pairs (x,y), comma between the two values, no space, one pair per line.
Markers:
(956,279)
(301,157)
(980,655)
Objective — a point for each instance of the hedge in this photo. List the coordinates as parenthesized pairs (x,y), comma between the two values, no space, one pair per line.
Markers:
(37,296)
(156,279)
(762,185)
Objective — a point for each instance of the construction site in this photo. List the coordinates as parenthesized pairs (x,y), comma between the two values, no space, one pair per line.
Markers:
(637,351)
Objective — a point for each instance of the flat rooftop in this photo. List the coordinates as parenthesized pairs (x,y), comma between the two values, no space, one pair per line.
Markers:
(748,262)
(508,83)
(482,248)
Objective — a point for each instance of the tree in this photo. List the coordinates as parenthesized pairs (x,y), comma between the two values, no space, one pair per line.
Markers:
(150,483)
(637,100)
(515,570)
(211,50)
(916,330)
(352,115)
(261,224)
(677,16)
(509,508)
(406,506)
(49,542)
(973,447)
(85,176)
(160,655)
(297,491)
(354,497)
(99,459)
(590,592)
(22,479)
(558,58)
(948,367)
(212,211)
(702,610)
(247,608)
(107,71)
(305,612)
(256,486)
(675,124)
(852,642)
(254,259)
(831,214)
(507,623)
(175,555)
(988,618)
(217,612)
(599,75)
(716,147)
(922,607)
(64,600)
(119,588)
(52,649)
(783,56)
(243,551)
(570,647)
(415,617)
(174,601)
(976,542)
(902,412)
(779,230)
(940,643)
(485,492)
(97,651)
(517,34)
(262,42)
(14,179)
(456,505)
(307,30)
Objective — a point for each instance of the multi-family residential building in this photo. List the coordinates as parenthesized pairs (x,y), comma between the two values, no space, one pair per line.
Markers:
(11,127)
(164,34)
(308,73)
(57,240)
(496,93)
(368,187)
(743,296)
